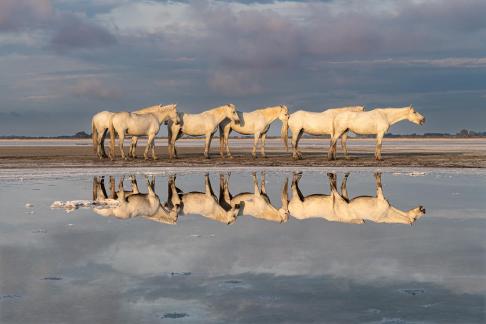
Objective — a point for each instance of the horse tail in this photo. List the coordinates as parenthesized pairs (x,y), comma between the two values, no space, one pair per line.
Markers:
(94,135)
(112,139)
(284,134)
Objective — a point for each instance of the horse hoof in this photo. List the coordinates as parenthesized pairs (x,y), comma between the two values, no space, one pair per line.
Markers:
(230,157)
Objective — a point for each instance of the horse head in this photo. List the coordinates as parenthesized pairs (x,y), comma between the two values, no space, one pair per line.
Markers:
(284,113)
(231,113)
(172,113)
(415,214)
(415,117)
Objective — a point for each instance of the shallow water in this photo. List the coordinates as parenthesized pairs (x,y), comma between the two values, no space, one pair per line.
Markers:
(356,260)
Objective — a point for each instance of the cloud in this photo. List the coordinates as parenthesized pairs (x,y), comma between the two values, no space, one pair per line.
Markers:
(73,32)
(94,88)
(234,83)
(308,54)
(22,14)
(66,30)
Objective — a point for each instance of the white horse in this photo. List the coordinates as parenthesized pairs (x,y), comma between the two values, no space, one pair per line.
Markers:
(148,124)
(133,203)
(376,209)
(205,123)
(257,123)
(374,122)
(339,208)
(318,205)
(100,123)
(204,203)
(315,123)
(99,126)
(257,204)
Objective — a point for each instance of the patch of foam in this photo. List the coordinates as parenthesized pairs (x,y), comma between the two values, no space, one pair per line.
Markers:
(71,205)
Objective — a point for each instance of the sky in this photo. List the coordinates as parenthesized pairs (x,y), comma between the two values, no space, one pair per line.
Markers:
(61,61)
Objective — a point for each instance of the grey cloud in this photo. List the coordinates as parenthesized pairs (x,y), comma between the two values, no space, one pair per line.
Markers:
(66,30)
(95,88)
(234,83)
(307,54)
(21,14)
(73,33)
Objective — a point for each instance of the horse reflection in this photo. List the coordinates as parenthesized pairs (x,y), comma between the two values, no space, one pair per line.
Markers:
(257,204)
(339,208)
(204,203)
(132,203)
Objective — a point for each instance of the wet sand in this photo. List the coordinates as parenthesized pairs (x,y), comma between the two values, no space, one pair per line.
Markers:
(430,153)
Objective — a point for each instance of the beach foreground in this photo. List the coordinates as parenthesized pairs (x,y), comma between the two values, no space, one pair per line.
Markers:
(431,153)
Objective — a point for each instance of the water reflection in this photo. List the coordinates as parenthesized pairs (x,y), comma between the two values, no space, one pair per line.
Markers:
(335,206)
(256,204)
(132,203)
(338,207)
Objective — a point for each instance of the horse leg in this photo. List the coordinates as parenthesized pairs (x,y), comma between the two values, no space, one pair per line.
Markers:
(221,141)
(299,136)
(295,142)
(379,187)
(207,145)
(255,143)
(344,189)
(113,194)
(226,142)
(263,190)
(148,146)
(101,144)
(379,140)
(152,145)
(207,186)
(121,140)
(133,147)
(172,137)
(295,186)
(169,142)
(331,155)
(121,190)
(177,135)
(262,147)
(256,190)
(134,185)
(344,138)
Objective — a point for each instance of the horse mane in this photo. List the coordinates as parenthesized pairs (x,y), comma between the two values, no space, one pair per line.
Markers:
(269,107)
(155,108)
(343,108)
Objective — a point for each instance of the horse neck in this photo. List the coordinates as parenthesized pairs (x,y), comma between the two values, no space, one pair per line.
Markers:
(220,112)
(162,115)
(394,115)
(271,113)
(397,213)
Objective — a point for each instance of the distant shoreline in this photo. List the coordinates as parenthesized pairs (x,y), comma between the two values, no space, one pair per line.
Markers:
(395,136)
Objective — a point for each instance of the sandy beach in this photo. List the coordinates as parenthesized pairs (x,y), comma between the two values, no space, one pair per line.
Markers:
(430,153)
